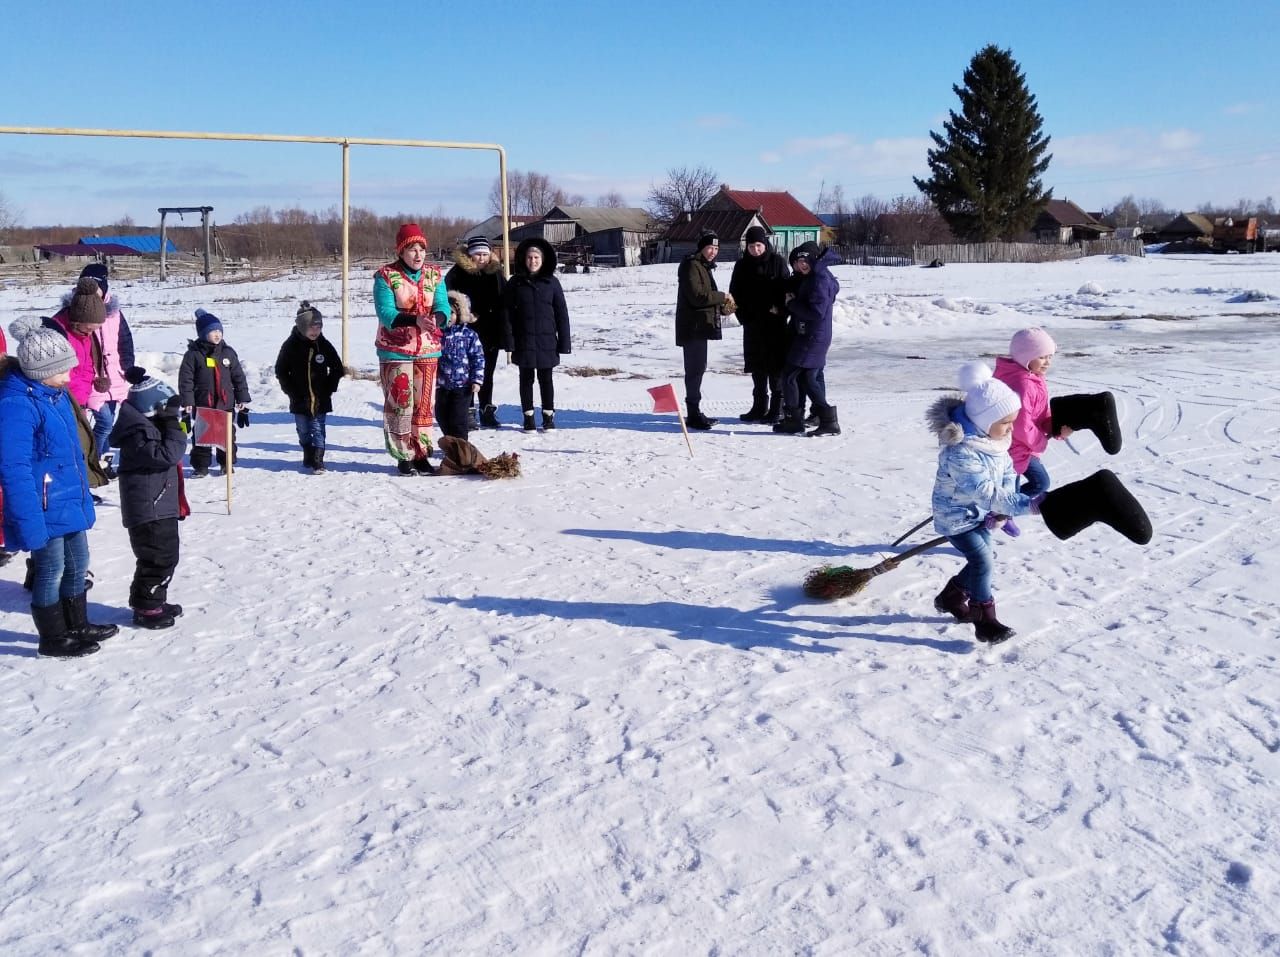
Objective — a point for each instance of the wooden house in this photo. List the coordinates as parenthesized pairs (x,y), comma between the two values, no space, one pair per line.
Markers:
(1189,227)
(1062,221)
(790,222)
(731,225)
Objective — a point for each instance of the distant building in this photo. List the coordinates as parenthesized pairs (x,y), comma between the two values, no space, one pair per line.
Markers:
(788,219)
(586,235)
(730,225)
(141,245)
(1062,221)
(1189,227)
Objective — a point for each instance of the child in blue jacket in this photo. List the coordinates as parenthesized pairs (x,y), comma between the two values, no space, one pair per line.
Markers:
(461,370)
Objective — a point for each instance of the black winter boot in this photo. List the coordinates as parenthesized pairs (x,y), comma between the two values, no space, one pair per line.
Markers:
(55,640)
(405,468)
(317,460)
(811,420)
(759,408)
(153,618)
(76,611)
(954,601)
(828,424)
(1101,497)
(548,419)
(791,423)
(489,417)
(307,451)
(696,420)
(985,625)
(423,466)
(472,423)
(529,424)
(1094,412)
(774,415)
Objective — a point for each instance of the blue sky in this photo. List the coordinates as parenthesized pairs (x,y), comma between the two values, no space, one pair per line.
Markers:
(1175,101)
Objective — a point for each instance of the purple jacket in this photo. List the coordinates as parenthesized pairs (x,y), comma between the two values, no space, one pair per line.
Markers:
(815,297)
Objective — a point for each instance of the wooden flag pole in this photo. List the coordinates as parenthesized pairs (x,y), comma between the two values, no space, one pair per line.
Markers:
(680,419)
(230,450)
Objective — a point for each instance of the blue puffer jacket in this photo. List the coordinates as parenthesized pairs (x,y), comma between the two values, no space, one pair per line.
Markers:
(42,466)
(811,308)
(461,358)
(975,474)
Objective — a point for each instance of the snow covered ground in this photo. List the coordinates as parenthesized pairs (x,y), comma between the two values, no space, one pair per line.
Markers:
(590,711)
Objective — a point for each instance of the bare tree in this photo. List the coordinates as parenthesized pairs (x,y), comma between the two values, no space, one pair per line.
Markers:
(612,200)
(8,216)
(684,191)
(913,219)
(531,194)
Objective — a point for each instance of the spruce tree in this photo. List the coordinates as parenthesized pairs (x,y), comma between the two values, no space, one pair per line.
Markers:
(986,169)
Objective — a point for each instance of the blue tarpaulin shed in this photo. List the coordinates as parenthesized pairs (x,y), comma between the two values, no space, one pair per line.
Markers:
(143,244)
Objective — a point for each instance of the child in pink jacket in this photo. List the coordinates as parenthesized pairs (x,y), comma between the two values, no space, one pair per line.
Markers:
(1023,370)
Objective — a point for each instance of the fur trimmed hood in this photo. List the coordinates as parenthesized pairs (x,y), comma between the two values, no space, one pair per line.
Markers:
(940,417)
(549,261)
(460,306)
(468,265)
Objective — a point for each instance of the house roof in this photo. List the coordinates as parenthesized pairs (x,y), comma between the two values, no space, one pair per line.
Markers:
(597,219)
(728,224)
(139,244)
(1193,220)
(1066,213)
(87,249)
(491,228)
(778,208)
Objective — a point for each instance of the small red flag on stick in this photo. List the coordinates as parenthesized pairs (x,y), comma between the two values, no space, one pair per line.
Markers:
(212,427)
(664,400)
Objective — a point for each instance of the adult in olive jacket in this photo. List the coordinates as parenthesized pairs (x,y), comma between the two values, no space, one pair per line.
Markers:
(759,289)
(698,303)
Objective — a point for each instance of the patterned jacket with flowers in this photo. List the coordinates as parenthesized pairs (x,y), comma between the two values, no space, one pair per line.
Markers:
(975,474)
(399,337)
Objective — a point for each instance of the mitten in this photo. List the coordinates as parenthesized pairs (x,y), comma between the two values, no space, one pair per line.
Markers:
(1010,529)
(992,520)
(242,418)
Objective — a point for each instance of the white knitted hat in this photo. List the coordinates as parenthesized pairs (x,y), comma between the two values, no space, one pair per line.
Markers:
(986,400)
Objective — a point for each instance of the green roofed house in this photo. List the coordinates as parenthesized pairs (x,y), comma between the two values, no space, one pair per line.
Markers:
(790,222)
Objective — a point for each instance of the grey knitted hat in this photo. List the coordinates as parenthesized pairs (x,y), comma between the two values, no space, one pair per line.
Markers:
(43,353)
(308,316)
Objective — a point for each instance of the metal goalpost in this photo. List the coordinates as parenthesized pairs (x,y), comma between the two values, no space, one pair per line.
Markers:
(346,142)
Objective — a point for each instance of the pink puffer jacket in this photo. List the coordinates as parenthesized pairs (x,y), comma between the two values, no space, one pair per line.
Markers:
(1034,424)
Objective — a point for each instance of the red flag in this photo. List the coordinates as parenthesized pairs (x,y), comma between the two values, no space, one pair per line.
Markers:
(210,428)
(664,398)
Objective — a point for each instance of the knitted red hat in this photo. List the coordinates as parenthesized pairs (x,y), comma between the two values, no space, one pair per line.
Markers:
(410,233)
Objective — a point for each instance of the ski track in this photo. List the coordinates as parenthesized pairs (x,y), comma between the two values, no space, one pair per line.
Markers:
(591,711)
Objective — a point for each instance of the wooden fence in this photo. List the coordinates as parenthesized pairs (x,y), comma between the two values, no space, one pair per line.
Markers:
(986,252)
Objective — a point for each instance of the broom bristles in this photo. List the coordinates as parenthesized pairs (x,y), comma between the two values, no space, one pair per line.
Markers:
(829,583)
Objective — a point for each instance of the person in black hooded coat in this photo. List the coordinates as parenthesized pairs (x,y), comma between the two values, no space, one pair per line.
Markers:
(539,326)
(759,288)
(478,275)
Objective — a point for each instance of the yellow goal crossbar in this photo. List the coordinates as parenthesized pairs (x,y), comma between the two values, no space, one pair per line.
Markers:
(346,142)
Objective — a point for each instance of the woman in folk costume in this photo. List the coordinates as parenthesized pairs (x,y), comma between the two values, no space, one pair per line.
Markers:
(412,304)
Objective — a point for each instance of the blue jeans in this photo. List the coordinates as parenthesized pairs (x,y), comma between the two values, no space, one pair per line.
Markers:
(798,383)
(59,569)
(103,420)
(310,429)
(1037,478)
(975,577)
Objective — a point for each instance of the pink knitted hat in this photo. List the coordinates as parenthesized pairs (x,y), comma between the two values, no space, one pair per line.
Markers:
(1028,344)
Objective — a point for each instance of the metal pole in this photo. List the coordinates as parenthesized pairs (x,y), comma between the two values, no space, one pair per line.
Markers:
(204,221)
(506,212)
(162,244)
(346,245)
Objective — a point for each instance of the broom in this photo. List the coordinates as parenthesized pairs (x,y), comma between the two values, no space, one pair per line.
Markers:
(829,583)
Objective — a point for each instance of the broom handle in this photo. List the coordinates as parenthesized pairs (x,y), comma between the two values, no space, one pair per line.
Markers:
(913,552)
(911,531)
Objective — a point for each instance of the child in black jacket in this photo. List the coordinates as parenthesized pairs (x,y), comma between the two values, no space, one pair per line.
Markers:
(152,442)
(309,371)
(211,377)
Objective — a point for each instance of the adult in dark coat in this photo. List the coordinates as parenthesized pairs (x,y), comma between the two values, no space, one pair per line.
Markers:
(539,326)
(698,304)
(478,276)
(811,308)
(759,288)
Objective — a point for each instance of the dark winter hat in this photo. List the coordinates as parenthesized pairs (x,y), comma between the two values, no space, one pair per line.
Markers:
(206,322)
(808,251)
(98,273)
(147,394)
(86,304)
(478,244)
(43,352)
(986,400)
(709,238)
(408,234)
(308,317)
(757,234)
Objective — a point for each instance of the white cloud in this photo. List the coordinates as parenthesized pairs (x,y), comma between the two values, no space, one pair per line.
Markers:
(1241,109)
